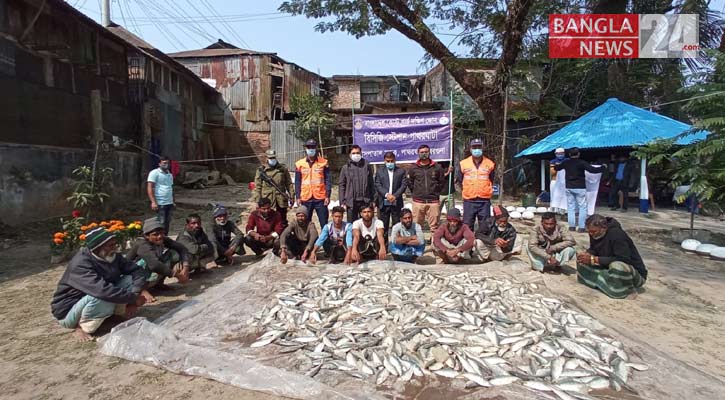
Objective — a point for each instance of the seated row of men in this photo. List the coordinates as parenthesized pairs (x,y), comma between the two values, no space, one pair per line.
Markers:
(99,282)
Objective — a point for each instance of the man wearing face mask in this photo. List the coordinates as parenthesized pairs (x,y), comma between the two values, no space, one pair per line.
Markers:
(312,183)
(228,239)
(96,281)
(426,182)
(612,264)
(453,240)
(357,188)
(495,237)
(160,190)
(390,184)
(162,257)
(273,182)
(475,175)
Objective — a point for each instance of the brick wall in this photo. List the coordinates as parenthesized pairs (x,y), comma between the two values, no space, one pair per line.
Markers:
(347,92)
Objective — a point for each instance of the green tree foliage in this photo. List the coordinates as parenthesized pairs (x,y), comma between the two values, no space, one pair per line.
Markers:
(702,164)
(313,120)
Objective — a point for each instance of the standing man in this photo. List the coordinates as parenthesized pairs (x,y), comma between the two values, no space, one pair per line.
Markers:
(407,242)
(426,179)
(576,189)
(273,182)
(264,226)
(475,175)
(201,251)
(94,283)
(453,240)
(335,239)
(298,239)
(159,188)
(612,264)
(620,183)
(550,245)
(357,188)
(226,245)
(312,183)
(557,187)
(390,183)
(368,241)
(495,237)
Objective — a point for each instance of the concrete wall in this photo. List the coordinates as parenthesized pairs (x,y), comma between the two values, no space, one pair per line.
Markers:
(35,180)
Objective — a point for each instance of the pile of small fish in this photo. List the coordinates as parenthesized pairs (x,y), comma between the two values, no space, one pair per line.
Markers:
(403,324)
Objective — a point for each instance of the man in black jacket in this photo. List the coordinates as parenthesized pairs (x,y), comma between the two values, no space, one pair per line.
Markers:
(495,237)
(576,189)
(226,245)
(621,182)
(390,184)
(426,182)
(201,251)
(612,264)
(96,280)
(356,184)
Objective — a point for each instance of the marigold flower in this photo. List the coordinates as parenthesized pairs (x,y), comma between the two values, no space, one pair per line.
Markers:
(58,241)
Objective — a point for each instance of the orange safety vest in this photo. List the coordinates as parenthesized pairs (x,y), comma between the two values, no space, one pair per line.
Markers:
(313,178)
(476,181)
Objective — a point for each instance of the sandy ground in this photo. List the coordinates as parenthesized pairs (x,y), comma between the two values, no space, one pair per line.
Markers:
(679,313)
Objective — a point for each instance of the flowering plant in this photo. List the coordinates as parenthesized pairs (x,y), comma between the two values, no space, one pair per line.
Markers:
(73,234)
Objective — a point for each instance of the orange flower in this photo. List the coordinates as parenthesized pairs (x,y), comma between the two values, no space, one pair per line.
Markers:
(82,237)
(92,225)
(104,224)
(112,229)
(84,228)
(58,235)
(137,222)
(58,241)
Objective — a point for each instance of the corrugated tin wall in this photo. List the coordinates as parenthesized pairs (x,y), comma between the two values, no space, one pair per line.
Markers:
(289,149)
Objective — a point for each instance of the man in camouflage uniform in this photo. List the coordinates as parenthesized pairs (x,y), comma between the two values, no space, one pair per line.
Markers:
(280,175)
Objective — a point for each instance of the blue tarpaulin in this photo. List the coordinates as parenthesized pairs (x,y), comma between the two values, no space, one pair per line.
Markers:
(614,124)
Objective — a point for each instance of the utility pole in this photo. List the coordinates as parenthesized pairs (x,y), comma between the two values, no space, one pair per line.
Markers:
(502,164)
(106,13)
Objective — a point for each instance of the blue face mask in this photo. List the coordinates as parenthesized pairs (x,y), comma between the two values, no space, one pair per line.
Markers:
(272,162)
(311,152)
(390,165)
(560,156)
(477,152)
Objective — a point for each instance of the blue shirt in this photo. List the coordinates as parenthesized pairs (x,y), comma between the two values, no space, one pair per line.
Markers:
(163,186)
(327,230)
(620,172)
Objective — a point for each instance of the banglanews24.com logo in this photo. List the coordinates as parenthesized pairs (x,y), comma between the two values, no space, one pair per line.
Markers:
(623,36)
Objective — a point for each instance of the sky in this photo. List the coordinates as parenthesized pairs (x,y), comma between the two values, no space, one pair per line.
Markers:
(257,25)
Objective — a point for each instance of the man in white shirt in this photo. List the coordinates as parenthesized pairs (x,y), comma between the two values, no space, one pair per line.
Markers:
(367,237)
(160,190)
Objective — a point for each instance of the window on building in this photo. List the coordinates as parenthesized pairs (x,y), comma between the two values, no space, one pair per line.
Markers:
(174,82)
(369,91)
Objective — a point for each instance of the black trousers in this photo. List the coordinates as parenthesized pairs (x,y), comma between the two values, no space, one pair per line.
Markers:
(283,212)
(618,186)
(295,247)
(390,215)
(368,247)
(259,247)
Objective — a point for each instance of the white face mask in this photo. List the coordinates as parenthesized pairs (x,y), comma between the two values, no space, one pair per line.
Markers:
(356,157)
(272,162)
(500,229)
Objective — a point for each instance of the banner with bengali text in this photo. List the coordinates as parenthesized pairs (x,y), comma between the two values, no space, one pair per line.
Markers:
(377,134)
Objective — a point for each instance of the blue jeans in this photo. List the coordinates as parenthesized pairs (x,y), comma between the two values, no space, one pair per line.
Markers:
(405,252)
(319,207)
(164,216)
(576,200)
(475,209)
(89,312)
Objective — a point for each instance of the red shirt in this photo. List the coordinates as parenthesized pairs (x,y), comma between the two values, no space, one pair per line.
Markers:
(264,226)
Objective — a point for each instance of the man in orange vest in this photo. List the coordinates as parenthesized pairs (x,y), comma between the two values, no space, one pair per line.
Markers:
(475,175)
(312,183)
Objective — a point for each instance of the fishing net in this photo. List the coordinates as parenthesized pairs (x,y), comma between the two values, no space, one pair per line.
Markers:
(211,335)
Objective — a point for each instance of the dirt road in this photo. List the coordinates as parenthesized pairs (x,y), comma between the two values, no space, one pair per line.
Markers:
(680,313)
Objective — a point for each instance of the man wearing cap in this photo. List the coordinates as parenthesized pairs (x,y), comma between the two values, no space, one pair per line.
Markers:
(407,242)
(162,257)
(228,239)
(356,184)
(201,251)
(368,241)
(557,188)
(426,182)
(298,239)
(264,226)
(495,237)
(160,190)
(96,281)
(453,240)
(277,173)
(312,183)
(475,175)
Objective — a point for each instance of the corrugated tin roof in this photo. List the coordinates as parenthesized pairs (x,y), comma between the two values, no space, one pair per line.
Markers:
(614,124)
(216,53)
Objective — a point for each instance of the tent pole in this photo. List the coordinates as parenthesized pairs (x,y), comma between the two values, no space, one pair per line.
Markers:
(543,175)
(643,189)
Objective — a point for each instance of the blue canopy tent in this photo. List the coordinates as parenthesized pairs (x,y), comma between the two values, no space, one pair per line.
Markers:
(614,124)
